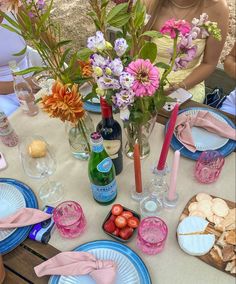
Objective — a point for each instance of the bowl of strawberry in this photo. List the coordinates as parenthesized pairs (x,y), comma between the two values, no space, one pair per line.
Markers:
(121,223)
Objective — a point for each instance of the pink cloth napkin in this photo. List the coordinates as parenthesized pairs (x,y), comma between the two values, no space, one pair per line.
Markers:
(202,119)
(24,217)
(79,263)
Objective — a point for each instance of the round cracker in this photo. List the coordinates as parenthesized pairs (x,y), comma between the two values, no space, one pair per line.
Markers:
(203,196)
(210,218)
(221,209)
(205,206)
(192,206)
(220,200)
(197,213)
(217,219)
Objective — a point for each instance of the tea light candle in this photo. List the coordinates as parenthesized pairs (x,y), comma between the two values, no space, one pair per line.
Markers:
(150,206)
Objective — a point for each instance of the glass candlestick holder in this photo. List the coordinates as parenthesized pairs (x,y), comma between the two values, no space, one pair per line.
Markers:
(169,202)
(137,196)
(158,185)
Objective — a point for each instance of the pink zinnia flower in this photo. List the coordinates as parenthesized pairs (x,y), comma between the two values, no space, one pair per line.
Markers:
(146,77)
(173,27)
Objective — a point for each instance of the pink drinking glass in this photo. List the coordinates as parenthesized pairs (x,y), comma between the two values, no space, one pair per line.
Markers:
(152,234)
(208,166)
(69,219)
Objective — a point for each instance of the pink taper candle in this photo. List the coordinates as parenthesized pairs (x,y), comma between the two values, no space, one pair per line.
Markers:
(173,177)
(167,140)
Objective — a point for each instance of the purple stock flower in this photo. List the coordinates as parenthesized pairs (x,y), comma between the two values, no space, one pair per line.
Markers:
(116,67)
(96,42)
(106,83)
(126,80)
(123,99)
(120,46)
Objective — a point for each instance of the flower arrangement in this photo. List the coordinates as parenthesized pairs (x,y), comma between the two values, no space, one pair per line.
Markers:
(126,72)
(32,20)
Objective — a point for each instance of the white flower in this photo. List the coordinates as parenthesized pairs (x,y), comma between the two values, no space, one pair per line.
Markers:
(116,67)
(97,42)
(120,46)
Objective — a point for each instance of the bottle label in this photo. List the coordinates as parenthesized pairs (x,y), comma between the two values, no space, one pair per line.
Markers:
(104,193)
(112,147)
(97,148)
(105,165)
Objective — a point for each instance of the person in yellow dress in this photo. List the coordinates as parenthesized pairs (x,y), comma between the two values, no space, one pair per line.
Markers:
(192,77)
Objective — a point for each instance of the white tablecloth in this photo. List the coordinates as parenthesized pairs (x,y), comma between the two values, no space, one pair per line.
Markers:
(170,266)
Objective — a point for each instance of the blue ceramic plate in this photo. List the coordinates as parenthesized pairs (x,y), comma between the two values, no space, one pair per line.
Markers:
(20,234)
(131,269)
(93,107)
(224,150)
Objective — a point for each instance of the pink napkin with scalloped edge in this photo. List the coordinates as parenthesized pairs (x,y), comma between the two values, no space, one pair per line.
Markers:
(203,119)
(78,263)
(24,217)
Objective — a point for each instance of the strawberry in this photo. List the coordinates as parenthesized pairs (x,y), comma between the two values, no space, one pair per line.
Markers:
(116,209)
(116,232)
(120,222)
(126,233)
(109,226)
(112,217)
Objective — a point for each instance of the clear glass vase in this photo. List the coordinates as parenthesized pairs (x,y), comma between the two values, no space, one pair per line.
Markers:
(79,136)
(138,133)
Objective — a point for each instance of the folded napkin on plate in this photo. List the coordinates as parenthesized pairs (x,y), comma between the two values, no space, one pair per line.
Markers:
(203,119)
(24,217)
(78,263)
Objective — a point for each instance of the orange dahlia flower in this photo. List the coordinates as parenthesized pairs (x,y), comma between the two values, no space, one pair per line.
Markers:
(86,68)
(64,103)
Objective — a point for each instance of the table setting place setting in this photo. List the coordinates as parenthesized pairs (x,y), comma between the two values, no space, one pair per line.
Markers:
(161,187)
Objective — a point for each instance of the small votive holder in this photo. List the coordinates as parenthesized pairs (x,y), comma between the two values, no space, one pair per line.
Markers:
(152,234)
(69,219)
(208,166)
(170,203)
(150,206)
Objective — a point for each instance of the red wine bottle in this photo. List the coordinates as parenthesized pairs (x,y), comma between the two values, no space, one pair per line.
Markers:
(111,132)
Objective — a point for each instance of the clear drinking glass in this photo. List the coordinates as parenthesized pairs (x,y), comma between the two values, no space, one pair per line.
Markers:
(69,219)
(152,234)
(41,168)
(209,166)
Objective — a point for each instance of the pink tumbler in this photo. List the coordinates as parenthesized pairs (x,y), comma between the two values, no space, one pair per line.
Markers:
(69,219)
(152,234)
(208,166)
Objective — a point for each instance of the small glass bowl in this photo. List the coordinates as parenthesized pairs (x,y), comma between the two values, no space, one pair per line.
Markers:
(116,237)
(150,206)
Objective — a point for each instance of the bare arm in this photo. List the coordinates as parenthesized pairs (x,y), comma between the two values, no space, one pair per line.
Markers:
(7,87)
(230,63)
(219,14)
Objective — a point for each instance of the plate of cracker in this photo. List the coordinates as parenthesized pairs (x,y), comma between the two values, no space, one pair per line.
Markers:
(211,220)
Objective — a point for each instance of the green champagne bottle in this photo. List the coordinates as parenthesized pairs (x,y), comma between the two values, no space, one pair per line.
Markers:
(101,172)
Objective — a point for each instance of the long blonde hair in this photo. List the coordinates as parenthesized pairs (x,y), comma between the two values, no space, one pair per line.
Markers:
(152,10)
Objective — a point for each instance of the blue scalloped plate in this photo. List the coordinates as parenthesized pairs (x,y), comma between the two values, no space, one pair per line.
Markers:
(93,107)
(134,268)
(20,234)
(224,150)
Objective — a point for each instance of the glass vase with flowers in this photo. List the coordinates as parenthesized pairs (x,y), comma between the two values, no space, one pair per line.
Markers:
(127,73)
